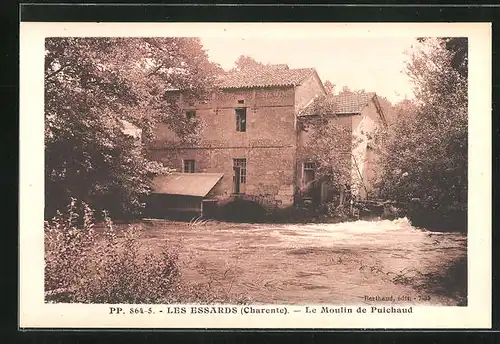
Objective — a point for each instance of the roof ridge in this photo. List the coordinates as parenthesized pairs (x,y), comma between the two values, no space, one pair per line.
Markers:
(267,69)
(195,173)
(265,77)
(312,71)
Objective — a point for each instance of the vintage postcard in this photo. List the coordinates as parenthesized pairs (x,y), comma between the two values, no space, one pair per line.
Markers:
(255,175)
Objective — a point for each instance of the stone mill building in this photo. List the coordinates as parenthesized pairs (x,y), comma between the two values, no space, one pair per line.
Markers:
(248,140)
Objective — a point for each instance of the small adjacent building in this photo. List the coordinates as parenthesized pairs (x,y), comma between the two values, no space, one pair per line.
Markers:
(361,114)
(189,193)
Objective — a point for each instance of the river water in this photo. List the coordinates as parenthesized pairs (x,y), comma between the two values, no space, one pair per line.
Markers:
(343,263)
(394,235)
(371,258)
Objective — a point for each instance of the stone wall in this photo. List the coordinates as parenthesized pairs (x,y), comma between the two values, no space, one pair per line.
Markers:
(270,120)
(363,173)
(371,168)
(269,173)
(307,91)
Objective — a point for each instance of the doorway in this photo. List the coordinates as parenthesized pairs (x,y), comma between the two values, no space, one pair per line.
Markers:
(239,175)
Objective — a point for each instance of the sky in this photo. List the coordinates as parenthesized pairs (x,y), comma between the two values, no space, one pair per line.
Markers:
(374,64)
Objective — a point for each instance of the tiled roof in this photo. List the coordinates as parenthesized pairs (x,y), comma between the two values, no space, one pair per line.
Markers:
(351,103)
(268,76)
(339,104)
(187,184)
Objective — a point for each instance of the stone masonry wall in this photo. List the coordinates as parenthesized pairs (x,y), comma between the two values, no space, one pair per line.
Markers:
(308,90)
(269,143)
(269,170)
(366,157)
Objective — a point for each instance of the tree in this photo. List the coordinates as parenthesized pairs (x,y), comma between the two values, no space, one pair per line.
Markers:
(424,151)
(345,89)
(328,143)
(331,144)
(247,62)
(91,86)
(329,87)
(390,112)
(458,48)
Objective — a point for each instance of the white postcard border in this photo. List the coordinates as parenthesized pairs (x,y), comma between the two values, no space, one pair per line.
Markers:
(35,313)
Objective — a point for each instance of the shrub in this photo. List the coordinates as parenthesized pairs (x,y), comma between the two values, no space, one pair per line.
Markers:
(106,265)
(291,214)
(241,210)
(82,265)
(121,274)
(66,247)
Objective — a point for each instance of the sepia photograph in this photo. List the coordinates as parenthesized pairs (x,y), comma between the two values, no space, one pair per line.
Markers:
(256,171)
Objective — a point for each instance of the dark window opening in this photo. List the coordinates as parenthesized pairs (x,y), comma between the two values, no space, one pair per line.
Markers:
(191,115)
(188,166)
(241,119)
(309,172)
(241,101)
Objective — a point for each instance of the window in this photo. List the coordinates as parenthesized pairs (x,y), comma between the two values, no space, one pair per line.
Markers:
(241,119)
(188,166)
(241,101)
(308,169)
(191,115)
(241,165)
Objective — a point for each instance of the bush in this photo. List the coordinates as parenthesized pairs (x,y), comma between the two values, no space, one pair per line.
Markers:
(82,265)
(120,274)
(423,152)
(66,247)
(443,219)
(240,210)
